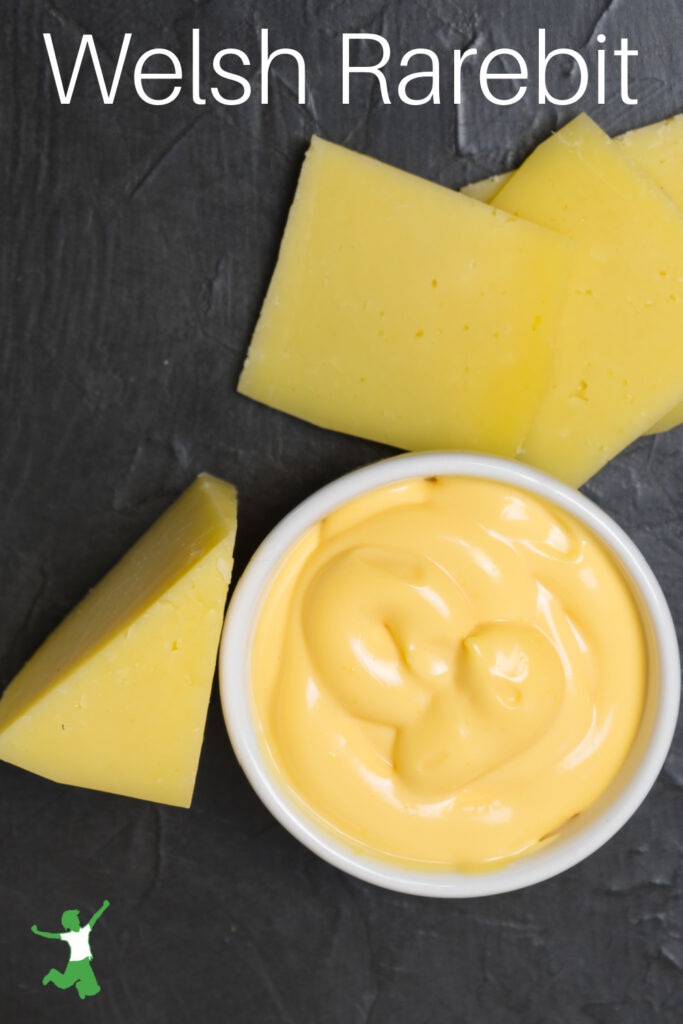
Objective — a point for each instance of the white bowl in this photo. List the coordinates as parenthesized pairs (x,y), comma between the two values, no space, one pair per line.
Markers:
(592,827)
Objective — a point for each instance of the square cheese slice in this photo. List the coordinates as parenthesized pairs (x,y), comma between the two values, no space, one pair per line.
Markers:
(618,365)
(116,697)
(404,312)
(658,150)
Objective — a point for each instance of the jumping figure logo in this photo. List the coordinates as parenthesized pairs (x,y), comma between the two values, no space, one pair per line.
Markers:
(78,970)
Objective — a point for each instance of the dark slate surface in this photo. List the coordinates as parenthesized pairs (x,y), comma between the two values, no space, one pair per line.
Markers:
(140,243)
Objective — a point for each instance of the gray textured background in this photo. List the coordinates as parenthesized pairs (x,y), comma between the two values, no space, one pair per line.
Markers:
(137,244)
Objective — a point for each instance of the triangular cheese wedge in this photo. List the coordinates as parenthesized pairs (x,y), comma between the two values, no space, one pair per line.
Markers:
(116,697)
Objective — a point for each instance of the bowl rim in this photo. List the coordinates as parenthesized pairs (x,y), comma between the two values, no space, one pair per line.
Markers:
(235,651)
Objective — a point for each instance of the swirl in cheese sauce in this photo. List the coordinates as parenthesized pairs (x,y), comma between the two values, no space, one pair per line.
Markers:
(447,670)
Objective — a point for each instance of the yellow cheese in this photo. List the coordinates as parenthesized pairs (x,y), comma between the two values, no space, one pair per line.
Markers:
(658,150)
(618,364)
(404,312)
(116,697)
(673,418)
(485,189)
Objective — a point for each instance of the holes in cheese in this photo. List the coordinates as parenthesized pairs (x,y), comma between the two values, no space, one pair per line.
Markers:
(658,150)
(618,364)
(116,697)
(404,312)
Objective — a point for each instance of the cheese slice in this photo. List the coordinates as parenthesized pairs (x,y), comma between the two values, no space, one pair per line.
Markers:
(619,359)
(658,150)
(404,312)
(672,419)
(485,188)
(116,697)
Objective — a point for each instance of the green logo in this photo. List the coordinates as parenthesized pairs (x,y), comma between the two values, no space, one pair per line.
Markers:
(78,970)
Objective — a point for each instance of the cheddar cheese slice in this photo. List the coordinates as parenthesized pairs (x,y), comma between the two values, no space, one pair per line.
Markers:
(404,312)
(618,364)
(116,697)
(658,150)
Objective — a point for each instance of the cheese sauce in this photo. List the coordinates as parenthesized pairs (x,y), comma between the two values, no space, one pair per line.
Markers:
(447,670)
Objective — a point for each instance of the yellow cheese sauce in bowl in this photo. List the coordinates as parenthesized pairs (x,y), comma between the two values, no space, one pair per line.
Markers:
(449,675)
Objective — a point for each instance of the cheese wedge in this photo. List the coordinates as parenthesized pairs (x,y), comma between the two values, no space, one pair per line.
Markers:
(618,364)
(404,312)
(116,697)
(658,150)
